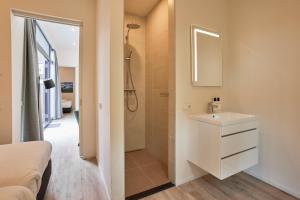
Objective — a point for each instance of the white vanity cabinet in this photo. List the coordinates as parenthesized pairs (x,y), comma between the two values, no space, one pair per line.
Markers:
(223,144)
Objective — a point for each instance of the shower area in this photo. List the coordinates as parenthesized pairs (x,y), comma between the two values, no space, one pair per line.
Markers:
(146,73)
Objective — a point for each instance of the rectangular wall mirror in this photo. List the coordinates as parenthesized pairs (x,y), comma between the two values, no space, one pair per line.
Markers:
(206,48)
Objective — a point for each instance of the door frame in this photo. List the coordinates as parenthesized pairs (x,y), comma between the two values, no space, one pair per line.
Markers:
(65,21)
(172,97)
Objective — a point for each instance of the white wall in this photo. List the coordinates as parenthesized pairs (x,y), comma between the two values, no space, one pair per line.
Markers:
(103,95)
(117,100)
(110,99)
(17,41)
(135,121)
(264,80)
(260,73)
(213,15)
(82,10)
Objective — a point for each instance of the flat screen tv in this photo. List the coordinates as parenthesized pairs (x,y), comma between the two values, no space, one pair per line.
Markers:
(67,87)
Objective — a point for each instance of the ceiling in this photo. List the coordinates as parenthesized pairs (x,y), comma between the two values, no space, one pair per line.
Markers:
(140,7)
(65,40)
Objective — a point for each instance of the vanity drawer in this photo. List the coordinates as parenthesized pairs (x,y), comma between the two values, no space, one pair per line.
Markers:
(227,130)
(231,144)
(238,163)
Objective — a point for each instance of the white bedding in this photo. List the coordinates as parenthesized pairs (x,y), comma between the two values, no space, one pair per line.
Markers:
(66,103)
(24,164)
(16,193)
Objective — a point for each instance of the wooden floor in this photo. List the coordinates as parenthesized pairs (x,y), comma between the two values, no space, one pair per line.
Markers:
(237,187)
(72,178)
(75,179)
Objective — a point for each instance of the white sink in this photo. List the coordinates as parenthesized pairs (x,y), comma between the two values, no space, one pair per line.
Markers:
(223,144)
(224,118)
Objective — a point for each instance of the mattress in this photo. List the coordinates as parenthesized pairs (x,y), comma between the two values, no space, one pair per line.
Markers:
(23,164)
(66,103)
(16,193)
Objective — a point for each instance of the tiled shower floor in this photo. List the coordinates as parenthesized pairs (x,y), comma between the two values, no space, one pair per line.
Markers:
(143,172)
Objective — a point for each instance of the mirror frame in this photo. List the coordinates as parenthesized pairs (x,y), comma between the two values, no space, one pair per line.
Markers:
(195,78)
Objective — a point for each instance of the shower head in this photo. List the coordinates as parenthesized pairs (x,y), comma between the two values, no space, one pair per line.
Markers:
(133,26)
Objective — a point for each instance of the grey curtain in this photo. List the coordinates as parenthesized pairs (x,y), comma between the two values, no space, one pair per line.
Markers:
(32,128)
(58,108)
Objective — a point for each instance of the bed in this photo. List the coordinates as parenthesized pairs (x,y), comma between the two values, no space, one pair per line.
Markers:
(26,164)
(66,105)
(16,193)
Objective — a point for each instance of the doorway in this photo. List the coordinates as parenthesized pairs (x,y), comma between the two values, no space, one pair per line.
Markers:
(58,45)
(57,42)
(146,97)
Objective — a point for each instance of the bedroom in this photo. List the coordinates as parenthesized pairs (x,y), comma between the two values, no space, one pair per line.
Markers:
(58,64)
(57,47)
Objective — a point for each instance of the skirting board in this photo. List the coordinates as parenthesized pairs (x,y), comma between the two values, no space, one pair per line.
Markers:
(277,185)
(188,179)
(107,196)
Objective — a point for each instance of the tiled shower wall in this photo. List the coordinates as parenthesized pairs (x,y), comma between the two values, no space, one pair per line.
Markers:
(135,121)
(159,82)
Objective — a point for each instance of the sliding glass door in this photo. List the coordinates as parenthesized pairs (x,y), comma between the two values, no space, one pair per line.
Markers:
(44,59)
(44,69)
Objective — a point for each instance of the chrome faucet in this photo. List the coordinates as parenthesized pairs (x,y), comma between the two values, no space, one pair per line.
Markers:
(211,107)
(214,105)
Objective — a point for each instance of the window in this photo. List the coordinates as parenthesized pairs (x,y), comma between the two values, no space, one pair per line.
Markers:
(44,62)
